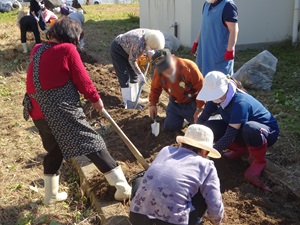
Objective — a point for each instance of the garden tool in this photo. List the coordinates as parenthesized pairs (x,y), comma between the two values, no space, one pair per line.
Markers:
(155,127)
(133,105)
(129,144)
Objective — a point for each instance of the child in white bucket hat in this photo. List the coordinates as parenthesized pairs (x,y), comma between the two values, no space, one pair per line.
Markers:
(181,184)
(246,125)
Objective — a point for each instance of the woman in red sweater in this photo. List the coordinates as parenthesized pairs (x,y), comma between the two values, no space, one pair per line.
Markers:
(55,76)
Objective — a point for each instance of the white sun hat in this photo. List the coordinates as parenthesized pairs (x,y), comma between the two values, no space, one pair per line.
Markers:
(215,86)
(200,136)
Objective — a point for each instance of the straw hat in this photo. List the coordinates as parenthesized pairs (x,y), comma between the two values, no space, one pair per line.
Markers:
(215,86)
(199,136)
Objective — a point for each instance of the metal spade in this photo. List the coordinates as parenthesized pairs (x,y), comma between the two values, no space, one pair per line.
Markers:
(133,105)
(155,126)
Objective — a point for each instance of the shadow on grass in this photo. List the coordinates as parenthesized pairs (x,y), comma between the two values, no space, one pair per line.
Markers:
(100,34)
(13,60)
(31,209)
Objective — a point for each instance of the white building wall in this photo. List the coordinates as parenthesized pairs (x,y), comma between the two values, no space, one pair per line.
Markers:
(260,21)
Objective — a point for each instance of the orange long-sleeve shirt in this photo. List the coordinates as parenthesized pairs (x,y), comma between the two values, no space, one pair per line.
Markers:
(186,87)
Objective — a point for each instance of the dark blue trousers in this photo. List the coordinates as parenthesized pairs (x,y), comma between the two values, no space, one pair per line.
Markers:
(251,133)
(123,69)
(177,112)
(29,24)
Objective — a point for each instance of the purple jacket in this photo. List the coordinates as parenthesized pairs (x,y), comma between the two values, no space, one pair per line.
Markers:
(175,176)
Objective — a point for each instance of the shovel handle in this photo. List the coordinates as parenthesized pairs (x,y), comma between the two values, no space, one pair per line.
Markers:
(147,68)
(129,144)
(139,94)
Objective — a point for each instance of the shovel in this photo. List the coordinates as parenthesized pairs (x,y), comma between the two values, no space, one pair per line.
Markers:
(129,144)
(131,104)
(155,127)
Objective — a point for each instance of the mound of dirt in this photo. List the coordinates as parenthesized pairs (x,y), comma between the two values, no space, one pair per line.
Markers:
(245,204)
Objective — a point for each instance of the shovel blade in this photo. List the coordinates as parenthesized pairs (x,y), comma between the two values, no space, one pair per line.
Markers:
(131,104)
(155,128)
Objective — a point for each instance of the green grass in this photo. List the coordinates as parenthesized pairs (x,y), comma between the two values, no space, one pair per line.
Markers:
(103,23)
(284,98)
(8,16)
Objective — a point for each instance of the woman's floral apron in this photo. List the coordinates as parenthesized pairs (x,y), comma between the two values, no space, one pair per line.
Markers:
(64,115)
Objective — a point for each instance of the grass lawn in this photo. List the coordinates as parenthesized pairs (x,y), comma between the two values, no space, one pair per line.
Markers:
(21,152)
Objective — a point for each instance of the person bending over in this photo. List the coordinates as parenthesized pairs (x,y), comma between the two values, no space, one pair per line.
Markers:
(181,183)
(28,23)
(125,50)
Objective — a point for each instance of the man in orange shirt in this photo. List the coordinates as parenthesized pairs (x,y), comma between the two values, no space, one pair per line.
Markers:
(182,80)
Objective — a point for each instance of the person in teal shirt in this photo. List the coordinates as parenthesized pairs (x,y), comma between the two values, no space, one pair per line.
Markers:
(246,128)
(218,36)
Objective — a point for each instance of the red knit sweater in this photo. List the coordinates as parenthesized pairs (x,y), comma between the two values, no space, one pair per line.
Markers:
(58,65)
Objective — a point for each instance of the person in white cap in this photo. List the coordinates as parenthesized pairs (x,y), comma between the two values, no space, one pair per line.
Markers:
(246,127)
(125,50)
(181,184)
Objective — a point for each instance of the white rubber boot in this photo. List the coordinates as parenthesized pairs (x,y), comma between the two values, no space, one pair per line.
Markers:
(51,190)
(134,88)
(25,48)
(126,95)
(134,91)
(117,179)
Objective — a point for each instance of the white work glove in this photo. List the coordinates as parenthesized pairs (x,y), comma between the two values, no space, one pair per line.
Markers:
(142,78)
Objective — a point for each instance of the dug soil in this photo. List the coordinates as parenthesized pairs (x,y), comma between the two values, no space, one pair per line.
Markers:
(244,204)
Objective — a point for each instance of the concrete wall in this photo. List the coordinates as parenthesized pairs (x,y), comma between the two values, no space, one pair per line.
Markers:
(260,21)
(162,15)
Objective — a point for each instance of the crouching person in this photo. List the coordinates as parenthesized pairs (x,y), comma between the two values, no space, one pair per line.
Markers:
(182,80)
(55,76)
(181,184)
(246,127)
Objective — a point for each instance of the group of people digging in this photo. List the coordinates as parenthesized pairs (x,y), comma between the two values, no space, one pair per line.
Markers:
(181,184)
(38,17)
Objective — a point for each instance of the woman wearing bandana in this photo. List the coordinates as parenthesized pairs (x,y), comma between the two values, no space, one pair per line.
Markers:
(247,128)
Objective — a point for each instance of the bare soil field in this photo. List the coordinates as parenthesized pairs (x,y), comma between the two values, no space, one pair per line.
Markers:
(244,203)
(21,152)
